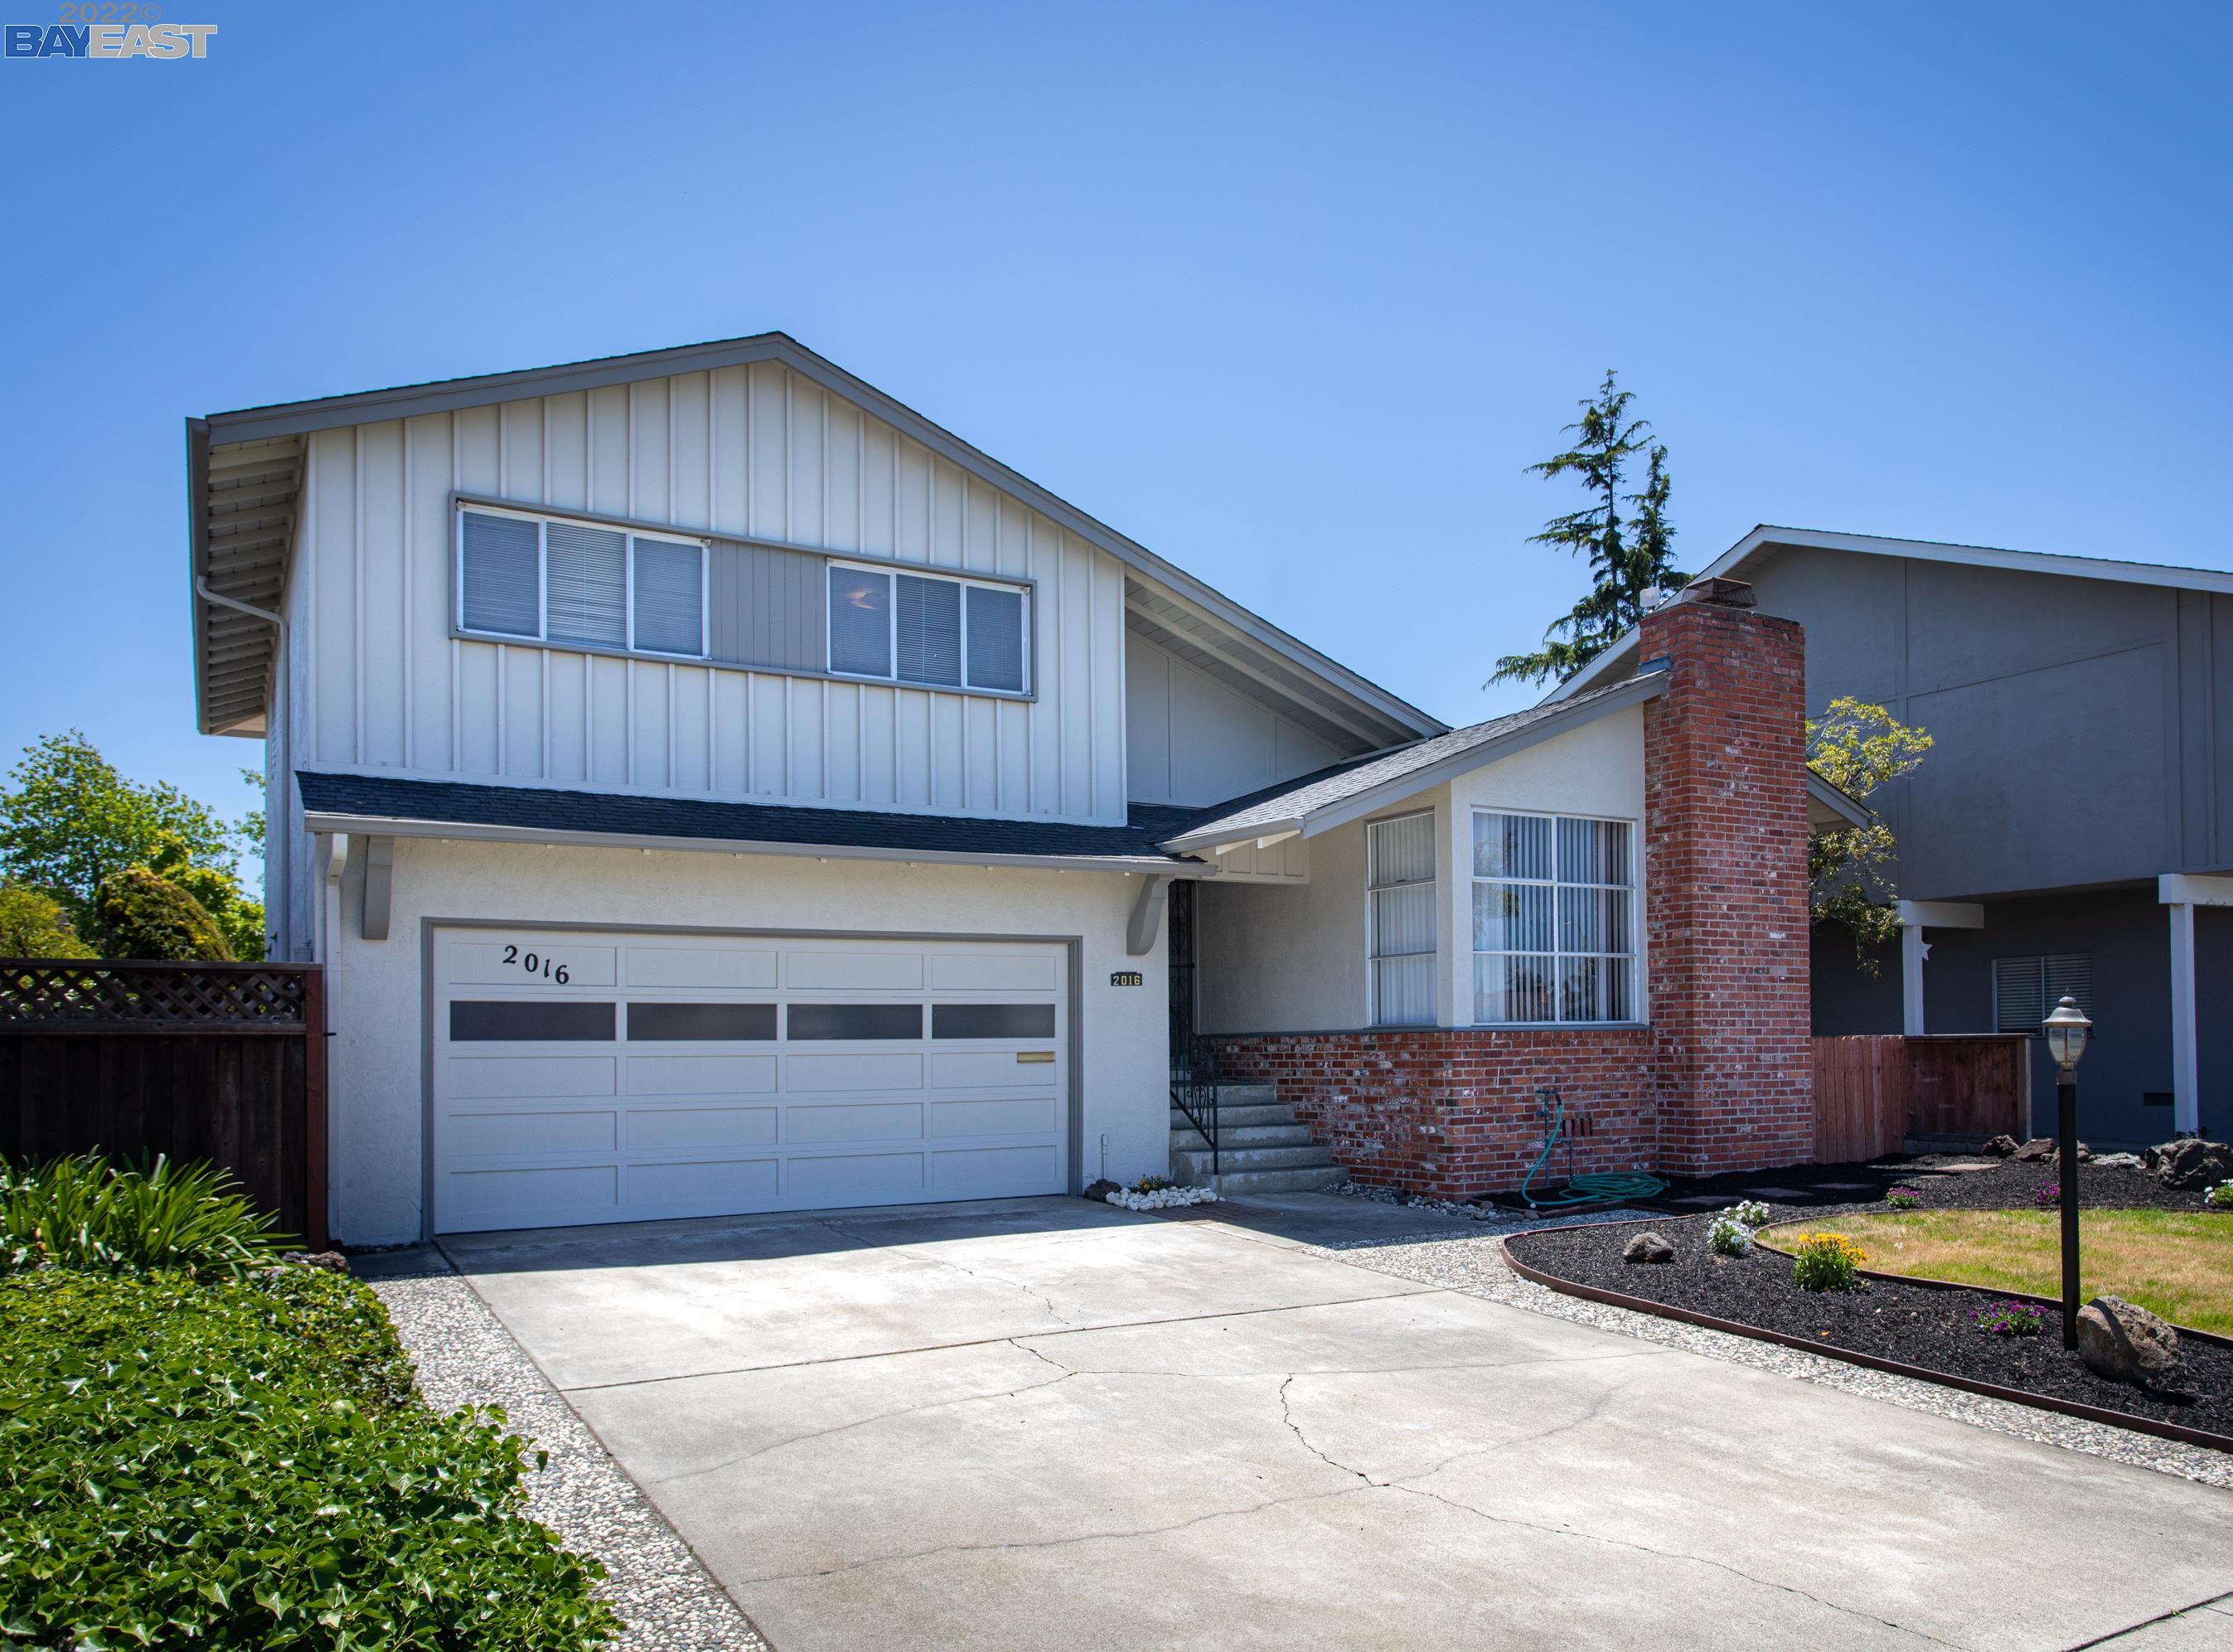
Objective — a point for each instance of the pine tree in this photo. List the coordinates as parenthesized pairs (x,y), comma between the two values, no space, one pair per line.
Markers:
(1626,558)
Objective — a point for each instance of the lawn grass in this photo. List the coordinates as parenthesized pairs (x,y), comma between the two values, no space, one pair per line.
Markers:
(2178,1264)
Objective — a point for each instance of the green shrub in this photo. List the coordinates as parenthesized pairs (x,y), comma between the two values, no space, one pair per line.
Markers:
(33,924)
(1827,1262)
(84,1213)
(141,913)
(243,1465)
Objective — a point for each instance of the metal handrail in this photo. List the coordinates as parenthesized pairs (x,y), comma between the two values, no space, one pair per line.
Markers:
(1194,1092)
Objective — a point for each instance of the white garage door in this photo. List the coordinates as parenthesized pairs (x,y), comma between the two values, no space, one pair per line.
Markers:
(586,1077)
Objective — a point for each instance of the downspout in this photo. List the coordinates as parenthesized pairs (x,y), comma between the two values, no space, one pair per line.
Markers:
(285,822)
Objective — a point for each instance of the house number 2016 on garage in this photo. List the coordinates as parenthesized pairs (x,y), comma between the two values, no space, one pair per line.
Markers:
(537,964)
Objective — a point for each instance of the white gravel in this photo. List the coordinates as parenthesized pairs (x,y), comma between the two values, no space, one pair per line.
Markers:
(1476,1264)
(667,1600)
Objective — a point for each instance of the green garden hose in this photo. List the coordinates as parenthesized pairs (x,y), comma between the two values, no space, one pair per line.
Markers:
(1603,1187)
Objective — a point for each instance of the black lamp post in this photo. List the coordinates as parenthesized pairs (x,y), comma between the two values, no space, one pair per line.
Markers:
(2066,1032)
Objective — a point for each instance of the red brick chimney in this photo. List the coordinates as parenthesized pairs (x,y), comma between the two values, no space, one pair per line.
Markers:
(1725,871)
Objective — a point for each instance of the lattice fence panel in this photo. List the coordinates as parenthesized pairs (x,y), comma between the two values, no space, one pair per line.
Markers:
(52,992)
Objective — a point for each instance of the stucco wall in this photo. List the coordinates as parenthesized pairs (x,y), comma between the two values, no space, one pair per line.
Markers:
(377,994)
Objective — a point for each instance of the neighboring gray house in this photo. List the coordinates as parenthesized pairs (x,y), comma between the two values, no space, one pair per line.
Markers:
(2071,830)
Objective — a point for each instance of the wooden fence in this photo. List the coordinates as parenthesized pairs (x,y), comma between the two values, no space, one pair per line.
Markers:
(1871,1094)
(219,1062)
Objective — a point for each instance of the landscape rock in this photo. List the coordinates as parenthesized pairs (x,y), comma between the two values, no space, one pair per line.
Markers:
(2000,1147)
(2038,1150)
(2117,1160)
(1101,1190)
(2191,1165)
(2126,1344)
(1648,1247)
(331,1261)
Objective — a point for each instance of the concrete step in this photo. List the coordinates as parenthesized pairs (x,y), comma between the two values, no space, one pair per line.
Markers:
(1236,1183)
(1237,1118)
(1196,1160)
(1249,1093)
(1230,1136)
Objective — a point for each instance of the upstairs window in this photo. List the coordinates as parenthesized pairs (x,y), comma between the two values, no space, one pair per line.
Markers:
(1554,918)
(570,583)
(923,628)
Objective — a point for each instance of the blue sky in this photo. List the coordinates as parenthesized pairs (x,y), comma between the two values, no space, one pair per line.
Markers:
(1290,294)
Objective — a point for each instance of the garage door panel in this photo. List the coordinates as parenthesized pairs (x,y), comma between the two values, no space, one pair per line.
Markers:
(1004,1116)
(890,1070)
(531,1195)
(681,1129)
(675,1075)
(736,967)
(995,971)
(854,1179)
(528,962)
(477,1077)
(856,1122)
(701,1074)
(813,971)
(987,1070)
(966,1171)
(520,1133)
(703,1187)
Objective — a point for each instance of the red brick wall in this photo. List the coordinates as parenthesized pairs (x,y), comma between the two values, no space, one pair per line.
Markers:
(1723,1078)
(1451,1112)
(1725,875)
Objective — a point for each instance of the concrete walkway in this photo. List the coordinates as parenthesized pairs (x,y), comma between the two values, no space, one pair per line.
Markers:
(1046,1423)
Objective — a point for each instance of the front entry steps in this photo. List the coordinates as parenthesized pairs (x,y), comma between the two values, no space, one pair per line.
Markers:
(1263,1150)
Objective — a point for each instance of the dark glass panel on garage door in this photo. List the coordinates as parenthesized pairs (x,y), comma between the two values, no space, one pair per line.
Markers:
(855,1021)
(486,1021)
(992,1021)
(709,1022)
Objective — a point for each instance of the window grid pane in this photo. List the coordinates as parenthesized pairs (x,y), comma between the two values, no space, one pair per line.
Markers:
(589,585)
(1401,899)
(1553,918)
(669,597)
(501,575)
(996,639)
(929,631)
(860,622)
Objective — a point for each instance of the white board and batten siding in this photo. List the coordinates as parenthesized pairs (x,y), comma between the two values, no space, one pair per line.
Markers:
(755,452)
(598,1076)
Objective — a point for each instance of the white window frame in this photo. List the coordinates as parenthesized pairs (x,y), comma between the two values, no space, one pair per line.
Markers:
(1633,888)
(1372,887)
(893,572)
(542,637)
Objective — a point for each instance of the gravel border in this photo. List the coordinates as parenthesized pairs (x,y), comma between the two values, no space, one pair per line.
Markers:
(666,1597)
(1476,1265)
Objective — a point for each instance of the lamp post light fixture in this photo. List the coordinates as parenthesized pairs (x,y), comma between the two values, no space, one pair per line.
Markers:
(2066,1032)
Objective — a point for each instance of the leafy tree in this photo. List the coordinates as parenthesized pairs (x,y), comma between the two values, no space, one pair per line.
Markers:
(1626,558)
(218,893)
(1858,747)
(33,924)
(72,820)
(141,913)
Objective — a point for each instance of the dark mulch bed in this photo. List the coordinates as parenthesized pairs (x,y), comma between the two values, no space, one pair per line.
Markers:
(1915,1324)
(1951,1181)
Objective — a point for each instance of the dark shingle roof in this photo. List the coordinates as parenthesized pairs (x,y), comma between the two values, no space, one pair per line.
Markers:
(1294,800)
(378,797)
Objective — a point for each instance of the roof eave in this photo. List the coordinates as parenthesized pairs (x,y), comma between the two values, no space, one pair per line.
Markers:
(467,831)
(1647,686)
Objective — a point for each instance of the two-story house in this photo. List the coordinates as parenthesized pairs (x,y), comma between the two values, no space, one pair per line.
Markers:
(2071,830)
(713,787)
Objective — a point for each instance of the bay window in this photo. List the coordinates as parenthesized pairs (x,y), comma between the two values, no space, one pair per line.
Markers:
(1554,917)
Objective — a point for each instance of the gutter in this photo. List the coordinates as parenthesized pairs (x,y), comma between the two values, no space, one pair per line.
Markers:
(397,826)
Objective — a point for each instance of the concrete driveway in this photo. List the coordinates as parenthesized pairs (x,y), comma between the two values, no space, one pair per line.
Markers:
(1045,1423)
